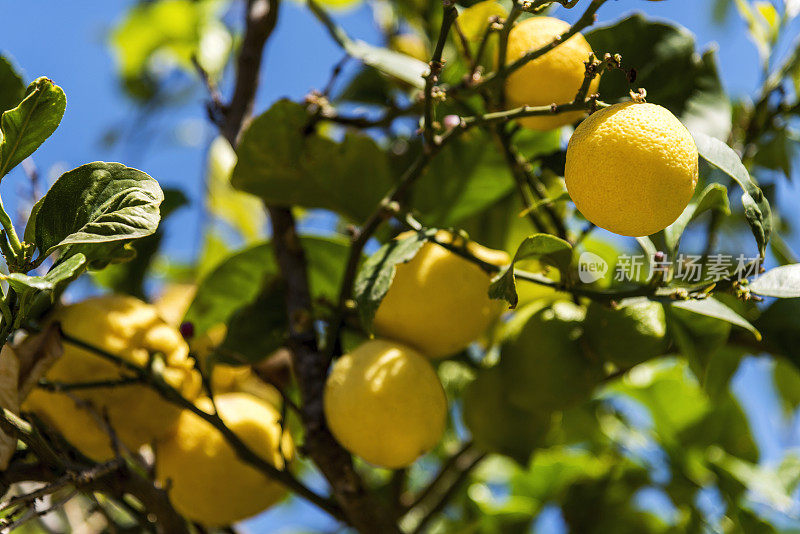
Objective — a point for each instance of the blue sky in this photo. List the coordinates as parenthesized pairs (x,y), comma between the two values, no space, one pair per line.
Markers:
(66,41)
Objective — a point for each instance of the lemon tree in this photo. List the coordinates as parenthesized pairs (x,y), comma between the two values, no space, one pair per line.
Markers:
(506,261)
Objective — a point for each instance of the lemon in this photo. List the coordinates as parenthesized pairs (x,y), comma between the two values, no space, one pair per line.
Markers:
(553,78)
(631,168)
(172,305)
(438,302)
(384,403)
(206,480)
(410,44)
(497,425)
(545,366)
(132,330)
(628,335)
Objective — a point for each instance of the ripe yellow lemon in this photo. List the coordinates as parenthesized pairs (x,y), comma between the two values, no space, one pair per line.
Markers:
(384,403)
(132,330)
(438,302)
(207,482)
(631,168)
(553,78)
(172,305)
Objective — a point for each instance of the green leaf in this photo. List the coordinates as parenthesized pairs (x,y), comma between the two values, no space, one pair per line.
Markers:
(713,198)
(22,282)
(12,90)
(468,176)
(669,391)
(97,209)
(39,293)
(129,277)
(28,125)
(756,205)
(400,66)
(787,384)
(657,51)
(376,274)
(258,329)
(283,164)
(237,282)
(782,282)
(233,284)
(174,30)
(544,247)
(763,481)
(711,307)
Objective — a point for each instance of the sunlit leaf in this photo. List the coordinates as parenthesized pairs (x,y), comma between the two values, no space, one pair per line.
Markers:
(25,127)
(282,163)
(783,282)
(97,209)
(544,247)
(712,307)
(756,206)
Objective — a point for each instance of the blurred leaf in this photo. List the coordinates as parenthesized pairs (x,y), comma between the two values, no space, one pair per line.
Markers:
(12,89)
(552,471)
(765,483)
(400,66)
(258,329)
(657,50)
(129,277)
(758,24)
(782,282)
(243,212)
(669,392)
(776,151)
(230,286)
(367,86)
(725,426)
(376,274)
(497,425)
(28,125)
(712,307)
(787,383)
(756,205)
(713,198)
(283,164)
(544,247)
(97,209)
(170,32)
(236,282)
(474,20)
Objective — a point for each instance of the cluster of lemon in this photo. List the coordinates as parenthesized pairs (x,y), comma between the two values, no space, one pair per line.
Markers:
(383,401)
(207,482)
(631,167)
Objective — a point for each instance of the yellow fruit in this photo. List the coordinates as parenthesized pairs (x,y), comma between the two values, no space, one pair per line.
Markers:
(172,305)
(132,330)
(384,403)
(553,78)
(410,44)
(438,302)
(207,482)
(173,302)
(631,168)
